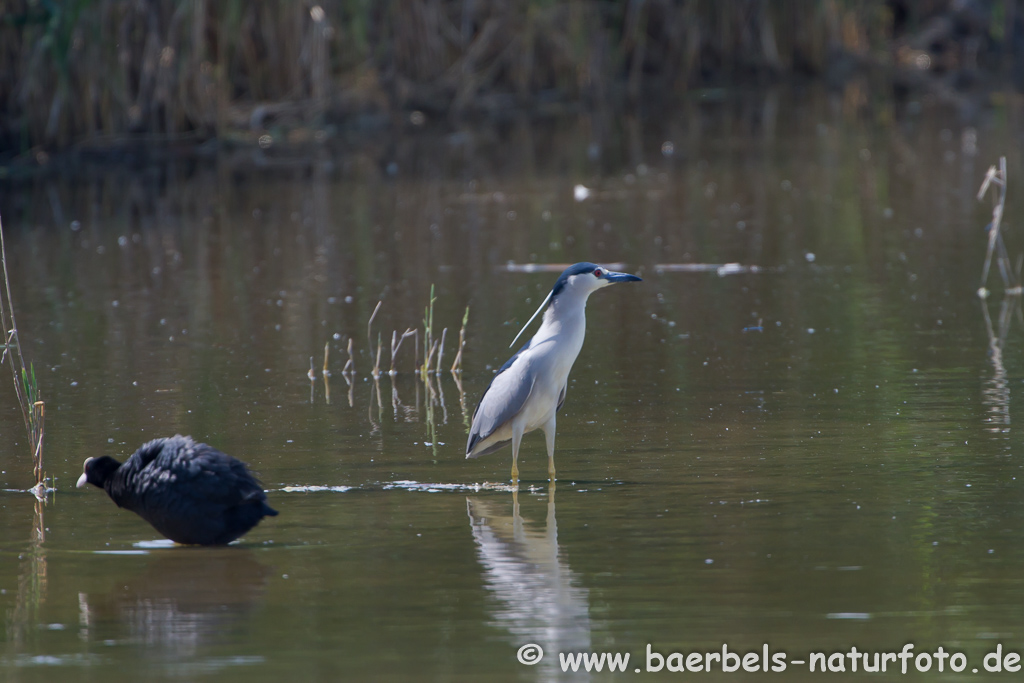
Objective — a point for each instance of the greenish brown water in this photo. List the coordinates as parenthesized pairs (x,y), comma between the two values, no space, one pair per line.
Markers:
(816,456)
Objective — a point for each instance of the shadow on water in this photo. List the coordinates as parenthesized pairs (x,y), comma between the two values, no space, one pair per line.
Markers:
(538,598)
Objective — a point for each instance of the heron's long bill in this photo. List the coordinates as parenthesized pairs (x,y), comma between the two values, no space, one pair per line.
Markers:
(621,277)
(541,308)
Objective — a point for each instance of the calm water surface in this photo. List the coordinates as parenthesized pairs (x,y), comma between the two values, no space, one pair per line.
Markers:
(818,455)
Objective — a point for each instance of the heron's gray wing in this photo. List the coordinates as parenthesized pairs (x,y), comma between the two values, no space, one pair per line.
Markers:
(504,398)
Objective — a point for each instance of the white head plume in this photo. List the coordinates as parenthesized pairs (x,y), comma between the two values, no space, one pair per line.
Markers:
(536,313)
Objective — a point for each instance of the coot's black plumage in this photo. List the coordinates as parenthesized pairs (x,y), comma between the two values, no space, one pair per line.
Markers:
(190,492)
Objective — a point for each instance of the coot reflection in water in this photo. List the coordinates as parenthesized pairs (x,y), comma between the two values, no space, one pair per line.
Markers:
(181,604)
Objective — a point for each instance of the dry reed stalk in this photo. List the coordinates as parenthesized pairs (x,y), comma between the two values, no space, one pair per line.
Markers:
(462,400)
(440,400)
(26,387)
(428,335)
(369,340)
(104,70)
(396,343)
(369,325)
(1011,283)
(376,365)
(350,364)
(312,380)
(457,364)
(38,419)
(327,374)
(430,359)
(351,387)
(440,352)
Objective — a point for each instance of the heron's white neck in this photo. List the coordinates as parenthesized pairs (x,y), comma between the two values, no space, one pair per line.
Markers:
(565,317)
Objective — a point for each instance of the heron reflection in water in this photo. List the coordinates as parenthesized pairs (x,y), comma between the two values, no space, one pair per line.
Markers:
(538,598)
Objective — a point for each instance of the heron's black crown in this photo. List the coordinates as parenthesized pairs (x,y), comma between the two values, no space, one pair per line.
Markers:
(575,269)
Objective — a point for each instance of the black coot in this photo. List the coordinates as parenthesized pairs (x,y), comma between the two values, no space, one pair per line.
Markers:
(191,492)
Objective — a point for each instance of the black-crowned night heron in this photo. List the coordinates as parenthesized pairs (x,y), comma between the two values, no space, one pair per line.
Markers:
(530,388)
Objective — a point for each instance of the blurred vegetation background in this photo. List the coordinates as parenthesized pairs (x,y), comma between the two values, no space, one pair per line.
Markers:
(104,73)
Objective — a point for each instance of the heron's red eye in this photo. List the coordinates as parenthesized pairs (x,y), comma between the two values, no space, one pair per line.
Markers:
(598,272)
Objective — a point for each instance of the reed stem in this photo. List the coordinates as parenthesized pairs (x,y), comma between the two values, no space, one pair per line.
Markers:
(26,388)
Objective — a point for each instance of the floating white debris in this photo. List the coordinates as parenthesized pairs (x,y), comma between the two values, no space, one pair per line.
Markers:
(512,267)
(581,192)
(722,269)
(731,269)
(120,552)
(314,489)
(438,487)
(156,543)
(862,616)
